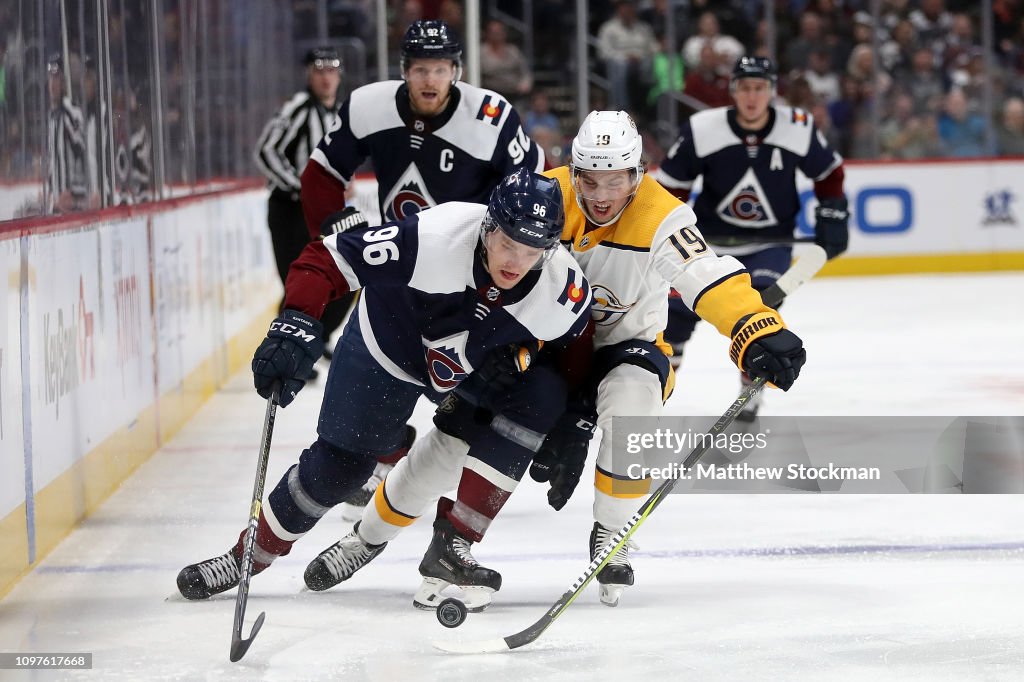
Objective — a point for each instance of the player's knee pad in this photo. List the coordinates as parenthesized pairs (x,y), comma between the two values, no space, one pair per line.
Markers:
(432,468)
(328,474)
(628,390)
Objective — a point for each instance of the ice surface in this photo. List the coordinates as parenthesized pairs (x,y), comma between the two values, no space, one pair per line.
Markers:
(729,587)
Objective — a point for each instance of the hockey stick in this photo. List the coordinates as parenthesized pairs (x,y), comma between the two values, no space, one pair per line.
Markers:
(806,266)
(530,634)
(238,645)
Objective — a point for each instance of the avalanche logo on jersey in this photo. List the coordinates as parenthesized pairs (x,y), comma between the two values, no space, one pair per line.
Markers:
(446,365)
(607,308)
(747,204)
(408,196)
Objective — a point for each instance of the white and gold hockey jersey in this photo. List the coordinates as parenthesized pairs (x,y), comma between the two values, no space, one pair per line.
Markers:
(632,263)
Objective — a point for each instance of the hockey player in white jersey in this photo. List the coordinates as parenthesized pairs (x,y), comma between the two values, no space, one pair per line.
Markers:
(748,156)
(456,291)
(634,240)
(431,139)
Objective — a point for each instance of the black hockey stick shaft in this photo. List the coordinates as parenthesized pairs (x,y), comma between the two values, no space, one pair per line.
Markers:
(238,645)
(620,538)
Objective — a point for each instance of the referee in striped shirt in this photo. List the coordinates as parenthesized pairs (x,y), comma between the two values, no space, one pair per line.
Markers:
(66,183)
(281,154)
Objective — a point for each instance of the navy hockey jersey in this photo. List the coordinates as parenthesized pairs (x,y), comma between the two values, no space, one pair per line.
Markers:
(429,312)
(749,179)
(459,155)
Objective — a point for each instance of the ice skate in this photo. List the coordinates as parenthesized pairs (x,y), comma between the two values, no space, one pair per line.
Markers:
(213,576)
(617,574)
(353,506)
(340,561)
(448,561)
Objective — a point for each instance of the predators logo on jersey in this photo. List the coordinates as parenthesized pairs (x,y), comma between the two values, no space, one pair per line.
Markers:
(607,308)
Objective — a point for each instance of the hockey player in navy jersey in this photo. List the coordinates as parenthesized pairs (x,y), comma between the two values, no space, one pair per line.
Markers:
(431,139)
(633,240)
(748,155)
(459,290)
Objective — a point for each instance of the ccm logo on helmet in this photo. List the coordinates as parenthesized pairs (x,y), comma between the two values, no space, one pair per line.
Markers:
(530,232)
(291,330)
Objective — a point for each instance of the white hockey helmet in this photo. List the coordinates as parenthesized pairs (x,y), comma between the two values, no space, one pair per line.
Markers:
(607,141)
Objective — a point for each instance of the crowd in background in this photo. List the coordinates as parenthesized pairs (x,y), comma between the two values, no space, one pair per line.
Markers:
(924,98)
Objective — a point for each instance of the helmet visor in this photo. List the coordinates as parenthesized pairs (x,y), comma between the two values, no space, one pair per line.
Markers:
(503,250)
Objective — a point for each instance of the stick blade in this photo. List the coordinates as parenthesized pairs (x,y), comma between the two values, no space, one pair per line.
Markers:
(479,646)
(239,646)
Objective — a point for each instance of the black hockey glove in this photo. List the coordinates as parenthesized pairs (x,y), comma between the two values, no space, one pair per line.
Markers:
(293,344)
(561,458)
(505,364)
(348,218)
(763,347)
(830,226)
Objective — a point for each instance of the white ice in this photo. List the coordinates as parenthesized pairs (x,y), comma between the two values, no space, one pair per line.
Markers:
(884,589)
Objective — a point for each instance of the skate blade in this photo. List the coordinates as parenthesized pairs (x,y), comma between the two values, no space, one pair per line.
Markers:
(475,599)
(610,594)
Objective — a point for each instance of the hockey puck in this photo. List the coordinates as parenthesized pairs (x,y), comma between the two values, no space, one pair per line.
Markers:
(451,613)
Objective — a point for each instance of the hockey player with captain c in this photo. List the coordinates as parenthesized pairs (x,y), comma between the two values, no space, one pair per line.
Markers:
(748,156)
(633,240)
(431,139)
(450,292)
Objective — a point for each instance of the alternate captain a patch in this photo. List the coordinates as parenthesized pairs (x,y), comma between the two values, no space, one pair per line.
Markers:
(576,292)
(491,109)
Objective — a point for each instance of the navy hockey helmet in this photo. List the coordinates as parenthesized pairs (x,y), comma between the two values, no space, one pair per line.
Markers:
(755,67)
(529,209)
(430,39)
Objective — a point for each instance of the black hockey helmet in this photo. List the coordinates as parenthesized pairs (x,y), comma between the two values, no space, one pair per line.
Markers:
(755,67)
(325,57)
(430,39)
(528,208)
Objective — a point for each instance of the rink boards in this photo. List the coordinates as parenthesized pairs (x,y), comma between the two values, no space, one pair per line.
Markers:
(114,332)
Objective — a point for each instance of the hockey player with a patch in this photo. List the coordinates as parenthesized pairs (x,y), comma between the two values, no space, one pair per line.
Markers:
(749,178)
(748,156)
(431,139)
(457,291)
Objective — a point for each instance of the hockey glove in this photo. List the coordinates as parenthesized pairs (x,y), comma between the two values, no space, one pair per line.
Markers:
(561,458)
(763,347)
(830,226)
(349,218)
(293,344)
(503,367)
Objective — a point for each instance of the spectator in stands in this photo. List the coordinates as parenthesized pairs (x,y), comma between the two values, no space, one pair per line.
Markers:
(960,40)
(706,81)
(898,52)
(906,135)
(962,133)
(1010,133)
(625,45)
(539,114)
(667,73)
(503,67)
(933,24)
(823,81)
(725,46)
(798,52)
(656,16)
(799,94)
(924,82)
